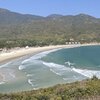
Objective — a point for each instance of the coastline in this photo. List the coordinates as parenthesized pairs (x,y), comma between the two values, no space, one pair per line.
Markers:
(13,53)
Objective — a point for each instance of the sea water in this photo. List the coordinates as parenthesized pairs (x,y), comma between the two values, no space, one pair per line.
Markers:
(50,68)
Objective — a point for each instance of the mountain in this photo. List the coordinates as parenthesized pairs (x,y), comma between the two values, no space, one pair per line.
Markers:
(54,16)
(8,17)
(55,27)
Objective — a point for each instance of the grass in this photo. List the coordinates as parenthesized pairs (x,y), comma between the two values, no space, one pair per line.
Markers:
(84,90)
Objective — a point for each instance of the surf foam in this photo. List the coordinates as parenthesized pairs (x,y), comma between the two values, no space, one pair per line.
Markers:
(87,73)
(5,65)
(57,69)
(2,82)
(21,67)
(35,58)
(30,81)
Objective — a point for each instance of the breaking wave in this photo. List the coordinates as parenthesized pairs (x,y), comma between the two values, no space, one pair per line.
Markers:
(21,67)
(31,82)
(5,65)
(87,73)
(35,58)
(61,70)
(57,69)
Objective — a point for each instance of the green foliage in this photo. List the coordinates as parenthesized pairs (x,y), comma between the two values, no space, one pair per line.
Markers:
(84,90)
(94,78)
(22,30)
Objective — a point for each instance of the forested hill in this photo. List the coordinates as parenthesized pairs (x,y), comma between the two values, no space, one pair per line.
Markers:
(53,29)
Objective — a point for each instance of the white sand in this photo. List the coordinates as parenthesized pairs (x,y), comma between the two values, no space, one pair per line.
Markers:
(24,51)
(32,50)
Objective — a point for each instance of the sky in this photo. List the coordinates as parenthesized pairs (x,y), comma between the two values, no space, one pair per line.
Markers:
(47,7)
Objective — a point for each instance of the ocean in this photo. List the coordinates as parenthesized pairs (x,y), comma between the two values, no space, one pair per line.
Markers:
(49,68)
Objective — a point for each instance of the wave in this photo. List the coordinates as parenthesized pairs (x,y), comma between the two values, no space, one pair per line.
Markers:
(2,82)
(57,69)
(5,65)
(29,75)
(69,63)
(21,67)
(43,54)
(61,70)
(35,58)
(87,73)
(39,56)
(25,61)
(30,81)
(55,72)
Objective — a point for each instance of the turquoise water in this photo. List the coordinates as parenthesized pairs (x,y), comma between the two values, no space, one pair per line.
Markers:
(50,68)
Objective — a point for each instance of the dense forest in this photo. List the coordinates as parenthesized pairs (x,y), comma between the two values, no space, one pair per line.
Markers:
(84,90)
(24,29)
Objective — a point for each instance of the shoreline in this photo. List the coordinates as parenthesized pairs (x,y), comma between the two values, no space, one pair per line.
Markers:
(13,53)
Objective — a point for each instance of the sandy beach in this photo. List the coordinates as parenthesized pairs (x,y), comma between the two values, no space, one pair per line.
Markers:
(17,53)
(7,74)
(13,53)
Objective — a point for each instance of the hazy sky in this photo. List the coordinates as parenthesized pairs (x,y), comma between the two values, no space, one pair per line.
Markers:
(47,7)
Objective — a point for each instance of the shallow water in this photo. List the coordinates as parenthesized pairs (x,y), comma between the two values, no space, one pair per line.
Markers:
(50,68)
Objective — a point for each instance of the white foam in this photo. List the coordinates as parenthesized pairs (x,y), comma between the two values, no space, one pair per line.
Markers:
(30,81)
(43,54)
(25,61)
(55,72)
(87,73)
(5,65)
(21,67)
(2,83)
(61,70)
(56,68)
(39,56)
(69,63)
(28,75)
(35,58)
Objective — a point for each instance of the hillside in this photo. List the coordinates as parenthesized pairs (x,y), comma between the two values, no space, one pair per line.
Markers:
(53,29)
(84,90)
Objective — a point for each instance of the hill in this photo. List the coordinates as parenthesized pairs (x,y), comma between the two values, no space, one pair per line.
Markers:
(53,29)
(84,90)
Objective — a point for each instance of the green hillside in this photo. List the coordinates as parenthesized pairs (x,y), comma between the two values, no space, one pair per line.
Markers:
(23,29)
(84,90)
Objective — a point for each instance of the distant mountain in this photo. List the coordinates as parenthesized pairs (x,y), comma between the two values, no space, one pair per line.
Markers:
(8,17)
(23,26)
(54,16)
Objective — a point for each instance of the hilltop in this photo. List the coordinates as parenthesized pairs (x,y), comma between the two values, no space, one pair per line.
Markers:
(24,29)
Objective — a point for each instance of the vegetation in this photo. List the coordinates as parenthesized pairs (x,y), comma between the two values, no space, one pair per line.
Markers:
(18,30)
(22,30)
(84,90)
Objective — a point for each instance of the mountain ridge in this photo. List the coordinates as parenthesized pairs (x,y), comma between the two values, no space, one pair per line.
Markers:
(54,27)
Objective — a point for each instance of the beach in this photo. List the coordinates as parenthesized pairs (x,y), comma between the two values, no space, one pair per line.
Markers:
(13,53)
(25,65)
(17,53)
